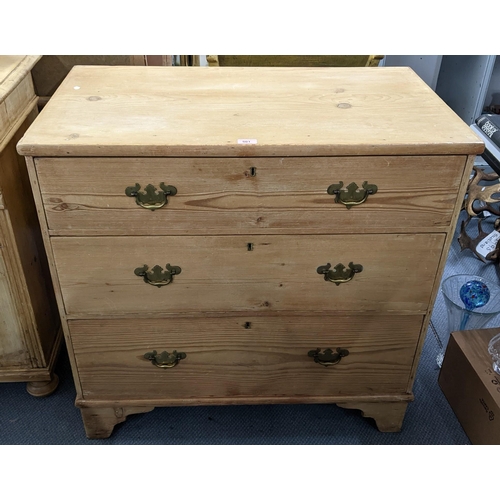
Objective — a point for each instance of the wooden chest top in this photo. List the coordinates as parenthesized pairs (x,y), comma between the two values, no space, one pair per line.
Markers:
(12,70)
(16,92)
(162,111)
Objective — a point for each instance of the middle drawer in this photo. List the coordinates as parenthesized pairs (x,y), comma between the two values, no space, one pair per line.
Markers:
(118,275)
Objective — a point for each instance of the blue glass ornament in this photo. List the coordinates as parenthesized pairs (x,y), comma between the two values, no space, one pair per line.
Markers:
(474,294)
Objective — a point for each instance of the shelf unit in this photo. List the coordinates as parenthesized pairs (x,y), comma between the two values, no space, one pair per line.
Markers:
(467,84)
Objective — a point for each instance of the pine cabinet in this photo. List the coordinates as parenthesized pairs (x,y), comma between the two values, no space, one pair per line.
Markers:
(30,333)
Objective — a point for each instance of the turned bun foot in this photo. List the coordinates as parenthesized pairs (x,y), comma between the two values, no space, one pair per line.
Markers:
(44,387)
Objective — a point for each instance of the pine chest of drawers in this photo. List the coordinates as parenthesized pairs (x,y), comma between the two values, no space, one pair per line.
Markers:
(246,235)
(30,333)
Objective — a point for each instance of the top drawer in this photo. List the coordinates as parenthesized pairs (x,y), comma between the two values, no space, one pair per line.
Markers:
(249,195)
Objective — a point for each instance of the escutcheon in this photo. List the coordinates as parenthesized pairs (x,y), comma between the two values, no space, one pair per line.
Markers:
(157,276)
(352,195)
(151,198)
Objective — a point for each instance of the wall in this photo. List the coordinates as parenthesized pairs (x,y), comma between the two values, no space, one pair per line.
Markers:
(427,67)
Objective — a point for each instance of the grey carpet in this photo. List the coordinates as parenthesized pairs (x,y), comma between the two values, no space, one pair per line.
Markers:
(429,420)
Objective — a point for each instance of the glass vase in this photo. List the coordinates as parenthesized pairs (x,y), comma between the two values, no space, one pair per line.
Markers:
(461,318)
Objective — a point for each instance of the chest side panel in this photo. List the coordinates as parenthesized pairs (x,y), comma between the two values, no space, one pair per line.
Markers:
(13,351)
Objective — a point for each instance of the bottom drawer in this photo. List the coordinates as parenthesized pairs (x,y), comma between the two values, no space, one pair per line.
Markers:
(228,357)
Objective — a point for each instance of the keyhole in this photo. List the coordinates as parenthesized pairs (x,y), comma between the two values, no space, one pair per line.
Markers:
(253,171)
(249,247)
(248,325)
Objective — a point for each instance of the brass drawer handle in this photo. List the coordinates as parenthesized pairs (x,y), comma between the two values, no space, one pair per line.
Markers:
(165,359)
(339,274)
(353,195)
(150,198)
(157,276)
(328,357)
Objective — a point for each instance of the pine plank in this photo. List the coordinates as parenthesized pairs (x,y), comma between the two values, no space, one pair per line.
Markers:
(226,358)
(284,195)
(219,273)
(202,111)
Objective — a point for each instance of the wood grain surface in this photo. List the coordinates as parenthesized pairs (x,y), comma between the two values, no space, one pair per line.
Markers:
(259,195)
(250,356)
(188,111)
(17,93)
(14,350)
(13,69)
(219,273)
(28,268)
(251,152)
(29,326)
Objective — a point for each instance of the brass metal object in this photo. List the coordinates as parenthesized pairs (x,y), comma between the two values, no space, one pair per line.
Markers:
(151,198)
(339,274)
(467,242)
(165,359)
(328,357)
(157,276)
(353,195)
(479,200)
(486,196)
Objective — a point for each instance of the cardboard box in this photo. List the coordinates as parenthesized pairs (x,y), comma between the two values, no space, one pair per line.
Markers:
(471,386)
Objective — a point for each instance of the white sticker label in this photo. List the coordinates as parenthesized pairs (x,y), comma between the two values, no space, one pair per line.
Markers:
(247,141)
(488,244)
